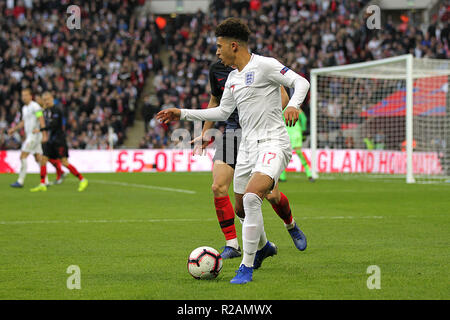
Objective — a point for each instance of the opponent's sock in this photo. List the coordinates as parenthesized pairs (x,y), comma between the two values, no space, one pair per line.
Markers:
(252,227)
(57,164)
(23,171)
(304,164)
(234,243)
(283,176)
(43,174)
(75,172)
(283,210)
(225,215)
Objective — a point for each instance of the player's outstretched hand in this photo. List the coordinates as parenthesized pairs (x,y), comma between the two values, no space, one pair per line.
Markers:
(291,116)
(168,115)
(199,145)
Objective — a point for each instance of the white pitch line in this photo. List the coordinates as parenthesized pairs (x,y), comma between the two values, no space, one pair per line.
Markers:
(101,221)
(170,220)
(144,186)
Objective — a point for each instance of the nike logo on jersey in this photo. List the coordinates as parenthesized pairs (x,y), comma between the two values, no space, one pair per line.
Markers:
(220,79)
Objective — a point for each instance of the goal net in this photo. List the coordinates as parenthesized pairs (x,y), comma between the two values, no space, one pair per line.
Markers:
(389,117)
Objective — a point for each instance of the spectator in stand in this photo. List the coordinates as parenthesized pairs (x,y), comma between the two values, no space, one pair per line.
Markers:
(95,73)
(301,34)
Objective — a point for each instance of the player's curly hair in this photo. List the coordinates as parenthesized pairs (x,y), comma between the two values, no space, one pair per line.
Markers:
(233,28)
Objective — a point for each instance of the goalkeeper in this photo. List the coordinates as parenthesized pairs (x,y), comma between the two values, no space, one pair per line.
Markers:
(296,137)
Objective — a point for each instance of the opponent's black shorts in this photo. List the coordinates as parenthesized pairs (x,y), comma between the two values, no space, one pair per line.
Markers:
(227,147)
(55,149)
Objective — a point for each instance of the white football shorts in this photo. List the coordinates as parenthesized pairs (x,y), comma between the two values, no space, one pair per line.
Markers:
(268,158)
(33,144)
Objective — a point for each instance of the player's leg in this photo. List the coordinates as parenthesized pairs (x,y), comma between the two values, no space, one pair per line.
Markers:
(283,177)
(23,167)
(298,151)
(225,160)
(63,154)
(271,160)
(253,226)
(83,181)
(240,213)
(239,206)
(280,205)
(30,145)
(222,177)
(41,155)
(38,157)
(22,171)
(43,172)
(56,162)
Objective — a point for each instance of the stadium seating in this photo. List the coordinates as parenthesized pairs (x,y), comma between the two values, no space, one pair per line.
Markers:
(301,34)
(96,72)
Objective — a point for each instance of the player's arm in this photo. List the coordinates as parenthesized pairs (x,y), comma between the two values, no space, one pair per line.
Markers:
(213,103)
(19,126)
(301,87)
(284,98)
(42,125)
(220,113)
(278,73)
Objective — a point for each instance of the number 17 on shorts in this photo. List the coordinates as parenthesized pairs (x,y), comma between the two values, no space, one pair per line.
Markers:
(272,162)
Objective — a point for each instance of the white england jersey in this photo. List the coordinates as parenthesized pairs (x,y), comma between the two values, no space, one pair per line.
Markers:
(255,90)
(29,117)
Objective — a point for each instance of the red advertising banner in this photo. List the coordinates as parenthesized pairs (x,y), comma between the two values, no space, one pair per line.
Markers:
(179,160)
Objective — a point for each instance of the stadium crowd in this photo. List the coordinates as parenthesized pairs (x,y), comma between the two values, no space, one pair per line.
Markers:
(95,73)
(300,34)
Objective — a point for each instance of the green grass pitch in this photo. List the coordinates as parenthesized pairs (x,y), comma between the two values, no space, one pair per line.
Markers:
(131,233)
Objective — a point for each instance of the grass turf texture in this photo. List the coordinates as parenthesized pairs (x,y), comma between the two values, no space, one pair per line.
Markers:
(132,242)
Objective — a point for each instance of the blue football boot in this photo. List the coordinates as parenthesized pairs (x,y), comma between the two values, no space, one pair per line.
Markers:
(243,275)
(230,252)
(16,185)
(298,237)
(270,249)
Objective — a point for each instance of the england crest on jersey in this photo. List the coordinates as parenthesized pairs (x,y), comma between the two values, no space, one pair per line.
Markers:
(249,78)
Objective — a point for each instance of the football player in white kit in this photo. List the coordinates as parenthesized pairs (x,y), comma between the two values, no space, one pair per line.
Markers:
(32,118)
(265,150)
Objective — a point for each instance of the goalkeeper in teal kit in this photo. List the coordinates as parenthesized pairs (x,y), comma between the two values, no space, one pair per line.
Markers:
(296,137)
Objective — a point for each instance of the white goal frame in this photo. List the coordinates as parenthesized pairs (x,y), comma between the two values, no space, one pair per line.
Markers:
(407,74)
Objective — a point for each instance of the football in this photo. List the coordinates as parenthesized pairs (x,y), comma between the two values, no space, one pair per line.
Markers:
(204,263)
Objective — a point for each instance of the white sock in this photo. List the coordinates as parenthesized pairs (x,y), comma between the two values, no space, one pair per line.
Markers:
(252,227)
(23,171)
(232,243)
(291,225)
(262,239)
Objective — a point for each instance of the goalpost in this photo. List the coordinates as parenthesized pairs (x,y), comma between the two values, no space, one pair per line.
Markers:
(389,117)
